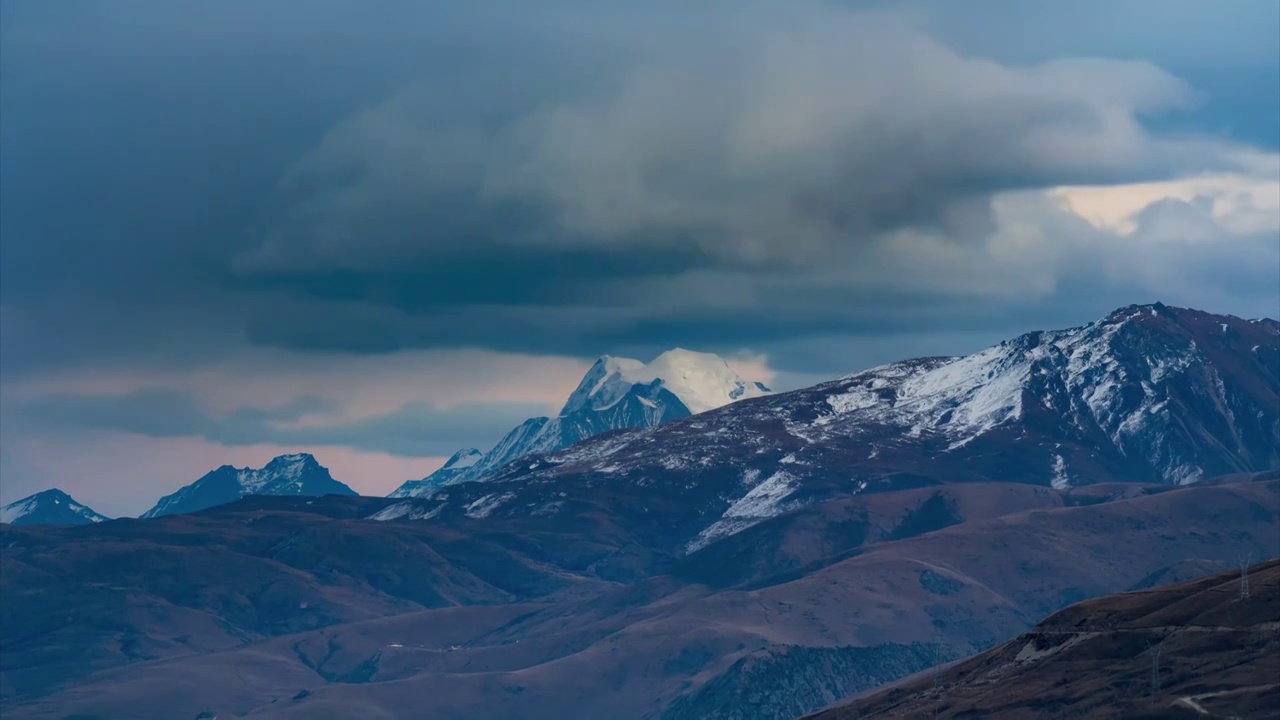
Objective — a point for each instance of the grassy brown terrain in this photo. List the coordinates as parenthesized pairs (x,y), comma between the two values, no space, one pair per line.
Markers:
(509,619)
(1198,649)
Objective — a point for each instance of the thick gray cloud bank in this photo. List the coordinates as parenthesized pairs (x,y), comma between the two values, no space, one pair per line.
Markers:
(414,430)
(625,178)
(763,176)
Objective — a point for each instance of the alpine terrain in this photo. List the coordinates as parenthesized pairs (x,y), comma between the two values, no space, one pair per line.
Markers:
(762,559)
(50,507)
(1149,394)
(615,394)
(297,474)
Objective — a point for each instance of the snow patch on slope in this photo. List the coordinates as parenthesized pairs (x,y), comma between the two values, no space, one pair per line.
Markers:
(13,511)
(392,512)
(85,512)
(1060,480)
(405,510)
(963,398)
(463,459)
(762,502)
(482,507)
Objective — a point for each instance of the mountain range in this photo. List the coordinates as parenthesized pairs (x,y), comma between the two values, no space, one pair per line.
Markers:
(615,394)
(761,559)
(1147,394)
(50,507)
(297,474)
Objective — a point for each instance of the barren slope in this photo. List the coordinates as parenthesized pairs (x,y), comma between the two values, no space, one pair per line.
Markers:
(1193,650)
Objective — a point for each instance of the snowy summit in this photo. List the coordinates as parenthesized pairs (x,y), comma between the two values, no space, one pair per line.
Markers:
(615,394)
(700,381)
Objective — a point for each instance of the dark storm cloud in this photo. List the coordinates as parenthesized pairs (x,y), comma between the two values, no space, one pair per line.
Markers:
(769,148)
(558,179)
(416,430)
(780,149)
(144,145)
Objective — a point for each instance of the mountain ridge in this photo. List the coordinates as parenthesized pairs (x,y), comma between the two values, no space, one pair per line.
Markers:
(291,474)
(49,507)
(1146,394)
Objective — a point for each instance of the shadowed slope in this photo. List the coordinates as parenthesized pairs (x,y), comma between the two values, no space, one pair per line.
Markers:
(1198,649)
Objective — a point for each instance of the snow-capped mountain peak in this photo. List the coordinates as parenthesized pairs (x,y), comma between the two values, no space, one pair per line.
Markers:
(615,394)
(1115,376)
(701,381)
(50,507)
(1147,394)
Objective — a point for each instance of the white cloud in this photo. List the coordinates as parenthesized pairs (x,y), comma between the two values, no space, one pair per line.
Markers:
(1242,202)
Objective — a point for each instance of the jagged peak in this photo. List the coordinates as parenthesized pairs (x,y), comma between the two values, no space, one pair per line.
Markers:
(287,466)
(702,381)
(277,463)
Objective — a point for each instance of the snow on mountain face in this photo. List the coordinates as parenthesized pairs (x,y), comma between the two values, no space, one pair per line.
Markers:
(1147,394)
(463,459)
(277,476)
(50,507)
(615,394)
(1115,377)
(511,446)
(11,513)
(296,474)
(461,462)
(700,381)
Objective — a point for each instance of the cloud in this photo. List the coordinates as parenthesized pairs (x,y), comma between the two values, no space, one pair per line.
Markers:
(814,172)
(414,429)
(555,180)
(414,404)
(786,140)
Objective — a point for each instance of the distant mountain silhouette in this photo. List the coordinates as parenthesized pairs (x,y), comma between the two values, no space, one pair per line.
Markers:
(297,474)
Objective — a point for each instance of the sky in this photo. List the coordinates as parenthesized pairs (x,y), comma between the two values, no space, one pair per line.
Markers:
(380,232)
